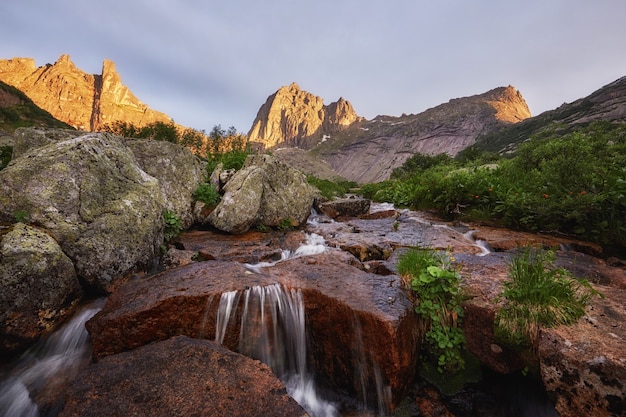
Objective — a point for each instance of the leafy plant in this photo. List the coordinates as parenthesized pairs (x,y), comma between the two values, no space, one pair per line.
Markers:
(538,294)
(21,216)
(437,287)
(285,224)
(207,194)
(173,225)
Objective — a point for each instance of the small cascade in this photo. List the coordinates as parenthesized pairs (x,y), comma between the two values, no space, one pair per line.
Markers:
(315,244)
(485,248)
(56,359)
(363,364)
(273,330)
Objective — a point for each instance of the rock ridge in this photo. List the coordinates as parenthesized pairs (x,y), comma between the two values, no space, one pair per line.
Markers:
(296,118)
(84,101)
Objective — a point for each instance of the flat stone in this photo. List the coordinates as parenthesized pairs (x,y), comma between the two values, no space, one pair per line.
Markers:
(179,377)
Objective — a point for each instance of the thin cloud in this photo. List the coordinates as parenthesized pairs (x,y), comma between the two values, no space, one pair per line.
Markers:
(207,63)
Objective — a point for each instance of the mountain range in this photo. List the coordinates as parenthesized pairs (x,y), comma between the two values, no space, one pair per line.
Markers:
(330,141)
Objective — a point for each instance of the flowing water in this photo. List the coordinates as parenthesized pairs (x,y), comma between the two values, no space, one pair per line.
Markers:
(273,330)
(46,366)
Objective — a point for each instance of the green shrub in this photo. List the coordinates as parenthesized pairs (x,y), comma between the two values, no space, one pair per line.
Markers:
(573,184)
(437,287)
(538,294)
(173,225)
(21,216)
(331,189)
(285,224)
(207,194)
(5,156)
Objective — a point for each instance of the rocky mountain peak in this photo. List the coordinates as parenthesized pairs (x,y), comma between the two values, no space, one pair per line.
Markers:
(84,101)
(294,117)
(509,104)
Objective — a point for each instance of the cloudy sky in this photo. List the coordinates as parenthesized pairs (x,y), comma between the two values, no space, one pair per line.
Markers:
(209,62)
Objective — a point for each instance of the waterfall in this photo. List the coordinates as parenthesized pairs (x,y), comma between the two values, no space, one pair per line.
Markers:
(59,358)
(273,330)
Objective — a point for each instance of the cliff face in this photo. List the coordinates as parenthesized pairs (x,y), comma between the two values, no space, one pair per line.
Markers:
(293,117)
(607,103)
(84,101)
(367,151)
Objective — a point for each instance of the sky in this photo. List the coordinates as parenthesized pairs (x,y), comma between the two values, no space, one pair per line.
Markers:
(215,62)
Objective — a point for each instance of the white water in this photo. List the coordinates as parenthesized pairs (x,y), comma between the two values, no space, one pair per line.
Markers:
(59,356)
(315,244)
(273,330)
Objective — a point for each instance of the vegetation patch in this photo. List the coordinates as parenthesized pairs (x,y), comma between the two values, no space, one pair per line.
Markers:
(537,295)
(5,156)
(572,183)
(331,189)
(438,303)
(172,225)
(207,194)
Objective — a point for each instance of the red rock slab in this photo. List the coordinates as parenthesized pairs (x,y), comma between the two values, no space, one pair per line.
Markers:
(584,365)
(252,246)
(361,326)
(179,377)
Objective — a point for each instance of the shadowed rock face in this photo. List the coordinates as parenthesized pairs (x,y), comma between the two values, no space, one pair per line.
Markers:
(584,364)
(338,298)
(38,285)
(179,377)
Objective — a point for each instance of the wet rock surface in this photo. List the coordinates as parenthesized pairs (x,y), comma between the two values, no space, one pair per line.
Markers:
(362,333)
(584,364)
(355,318)
(179,377)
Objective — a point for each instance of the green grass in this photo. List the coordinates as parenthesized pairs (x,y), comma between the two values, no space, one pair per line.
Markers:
(537,295)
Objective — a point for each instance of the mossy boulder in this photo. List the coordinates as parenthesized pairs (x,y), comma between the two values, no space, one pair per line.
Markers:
(178,170)
(91,195)
(38,286)
(264,192)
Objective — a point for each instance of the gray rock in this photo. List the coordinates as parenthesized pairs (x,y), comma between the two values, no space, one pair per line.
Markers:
(35,137)
(178,170)
(90,194)
(265,191)
(348,207)
(238,210)
(38,285)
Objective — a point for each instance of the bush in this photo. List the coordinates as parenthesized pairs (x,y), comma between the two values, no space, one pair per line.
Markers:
(573,184)
(207,194)
(538,294)
(331,189)
(173,225)
(437,287)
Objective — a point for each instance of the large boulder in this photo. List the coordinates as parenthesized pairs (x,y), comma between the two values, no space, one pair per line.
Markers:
(38,286)
(584,365)
(90,194)
(179,377)
(363,335)
(264,192)
(178,170)
(27,138)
